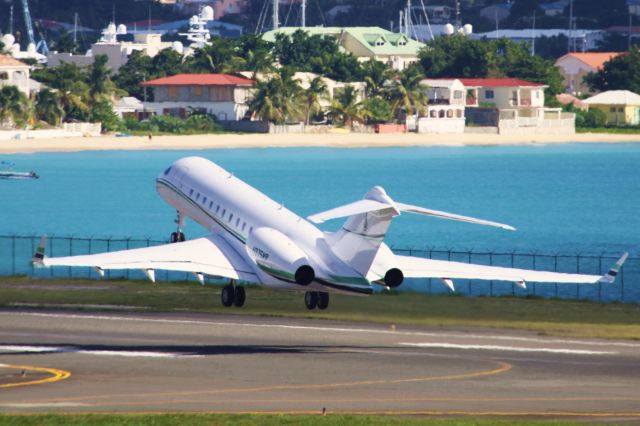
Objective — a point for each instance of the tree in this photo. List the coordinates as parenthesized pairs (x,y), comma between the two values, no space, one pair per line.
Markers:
(377,110)
(619,73)
(138,68)
(316,91)
(407,93)
(346,107)
(376,74)
(278,99)
(72,90)
(219,56)
(13,105)
(101,88)
(48,108)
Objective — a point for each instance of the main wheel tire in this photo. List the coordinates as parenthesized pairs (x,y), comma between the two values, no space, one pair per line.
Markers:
(240,297)
(311,300)
(228,295)
(323,300)
(181,237)
(174,237)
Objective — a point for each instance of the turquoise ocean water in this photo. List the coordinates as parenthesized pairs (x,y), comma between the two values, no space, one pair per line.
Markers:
(571,199)
(562,198)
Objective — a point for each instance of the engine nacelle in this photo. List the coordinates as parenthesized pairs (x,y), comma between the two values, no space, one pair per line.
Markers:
(279,257)
(393,278)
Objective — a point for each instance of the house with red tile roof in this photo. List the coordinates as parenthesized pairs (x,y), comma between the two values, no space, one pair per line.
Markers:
(16,73)
(574,66)
(223,95)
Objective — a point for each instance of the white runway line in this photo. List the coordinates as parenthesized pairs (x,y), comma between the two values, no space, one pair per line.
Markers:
(329,329)
(44,405)
(507,348)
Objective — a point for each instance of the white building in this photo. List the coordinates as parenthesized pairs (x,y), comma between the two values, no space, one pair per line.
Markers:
(223,95)
(446,106)
(16,73)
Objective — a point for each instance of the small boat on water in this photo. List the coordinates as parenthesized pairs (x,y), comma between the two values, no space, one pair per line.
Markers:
(6,172)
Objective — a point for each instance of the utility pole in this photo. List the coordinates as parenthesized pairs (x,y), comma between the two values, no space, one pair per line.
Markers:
(275,14)
(75,29)
(407,19)
(570,26)
(304,13)
(11,19)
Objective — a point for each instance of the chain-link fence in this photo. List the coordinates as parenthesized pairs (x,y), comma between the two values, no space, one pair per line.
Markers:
(16,252)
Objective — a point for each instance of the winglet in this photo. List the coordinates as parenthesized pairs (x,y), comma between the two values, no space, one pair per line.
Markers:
(38,256)
(610,276)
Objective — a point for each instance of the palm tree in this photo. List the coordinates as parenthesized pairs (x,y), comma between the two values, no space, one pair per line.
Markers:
(13,105)
(101,88)
(48,108)
(278,99)
(346,107)
(376,75)
(316,91)
(406,92)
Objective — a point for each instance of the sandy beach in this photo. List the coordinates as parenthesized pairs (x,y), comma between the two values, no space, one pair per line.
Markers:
(347,140)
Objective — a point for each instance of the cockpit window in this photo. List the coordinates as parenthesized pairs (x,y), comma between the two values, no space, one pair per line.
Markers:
(166,172)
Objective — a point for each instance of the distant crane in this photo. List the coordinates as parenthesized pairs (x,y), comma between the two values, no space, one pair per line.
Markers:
(41,46)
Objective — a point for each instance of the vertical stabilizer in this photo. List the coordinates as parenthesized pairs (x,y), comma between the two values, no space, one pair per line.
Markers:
(359,239)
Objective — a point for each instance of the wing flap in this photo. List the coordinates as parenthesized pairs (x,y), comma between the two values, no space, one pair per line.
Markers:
(414,267)
(211,255)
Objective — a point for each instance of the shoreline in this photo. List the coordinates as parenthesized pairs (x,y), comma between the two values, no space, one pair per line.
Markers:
(330,140)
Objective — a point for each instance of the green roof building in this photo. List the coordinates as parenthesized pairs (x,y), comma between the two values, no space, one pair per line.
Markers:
(365,43)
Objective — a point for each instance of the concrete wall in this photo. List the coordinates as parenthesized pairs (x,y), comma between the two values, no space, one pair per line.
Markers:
(222,110)
(482,117)
(441,125)
(245,126)
(74,130)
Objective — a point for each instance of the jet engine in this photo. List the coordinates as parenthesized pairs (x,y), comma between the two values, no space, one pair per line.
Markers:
(393,278)
(279,257)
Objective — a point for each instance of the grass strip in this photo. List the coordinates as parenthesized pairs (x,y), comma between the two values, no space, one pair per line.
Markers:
(543,316)
(261,420)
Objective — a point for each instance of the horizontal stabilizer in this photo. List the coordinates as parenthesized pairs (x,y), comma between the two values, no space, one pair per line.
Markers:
(444,215)
(357,207)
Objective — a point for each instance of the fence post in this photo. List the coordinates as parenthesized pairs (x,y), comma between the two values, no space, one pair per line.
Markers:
(469,261)
(51,254)
(127,246)
(513,286)
(578,271)
(70,254)
(555,269)
(491,281)
(108,250)
(533,255)
(622,284)
(33,250)
(13,255)
(599,283)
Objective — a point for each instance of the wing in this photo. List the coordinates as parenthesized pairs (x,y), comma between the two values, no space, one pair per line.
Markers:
(415,267)
(211,255)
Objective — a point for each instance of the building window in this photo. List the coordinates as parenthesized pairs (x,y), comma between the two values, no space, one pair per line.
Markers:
(620,109)
(441,113)
(612,109)
(221,93)
(488,94)
(459,113)
(457,94)
(449,113)
(433,113)
(197,91)
(172,92)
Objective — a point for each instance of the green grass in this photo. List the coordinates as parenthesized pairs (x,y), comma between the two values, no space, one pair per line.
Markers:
(259,420)
(615,130)
(542,316)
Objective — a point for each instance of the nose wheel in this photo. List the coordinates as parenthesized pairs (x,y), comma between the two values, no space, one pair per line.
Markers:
(178,236)
(316,299)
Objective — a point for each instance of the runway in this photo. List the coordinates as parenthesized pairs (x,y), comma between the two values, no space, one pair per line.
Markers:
(124,362)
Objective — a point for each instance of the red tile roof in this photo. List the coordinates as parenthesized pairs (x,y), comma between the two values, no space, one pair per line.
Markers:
(594,59)
(200,80)
(498,82)
(8,61)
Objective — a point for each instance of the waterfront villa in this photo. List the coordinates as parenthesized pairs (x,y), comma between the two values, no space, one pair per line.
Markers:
(223,95)
(394,49)
(16,73)
(622,107)
(513,106)
(445,107)
(575,66)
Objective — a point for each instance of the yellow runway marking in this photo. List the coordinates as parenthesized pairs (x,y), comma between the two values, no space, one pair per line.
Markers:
(504,367)
(56,375)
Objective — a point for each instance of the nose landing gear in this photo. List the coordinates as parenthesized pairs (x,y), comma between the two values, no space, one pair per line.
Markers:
(178,236)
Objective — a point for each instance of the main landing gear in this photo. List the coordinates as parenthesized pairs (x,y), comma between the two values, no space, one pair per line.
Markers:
(316,299)
(178,236)
(233,295)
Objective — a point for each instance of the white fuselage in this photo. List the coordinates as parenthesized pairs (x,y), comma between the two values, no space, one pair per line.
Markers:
(227,206)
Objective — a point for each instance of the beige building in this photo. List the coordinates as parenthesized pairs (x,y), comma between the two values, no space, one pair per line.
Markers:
(445,107)
(575,66)
(16,73)
(622,107)
(394,49)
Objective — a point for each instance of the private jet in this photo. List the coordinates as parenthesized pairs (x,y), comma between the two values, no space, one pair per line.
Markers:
(254,239)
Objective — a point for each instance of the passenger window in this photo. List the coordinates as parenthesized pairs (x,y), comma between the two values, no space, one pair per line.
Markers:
(244,225)
(210,205)
(218,209)
(224,211)
(204,200)
(237,222)
(197,196)
(190,192)
(230,217)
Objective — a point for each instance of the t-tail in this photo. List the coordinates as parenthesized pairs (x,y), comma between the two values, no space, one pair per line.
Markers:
(368,220)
